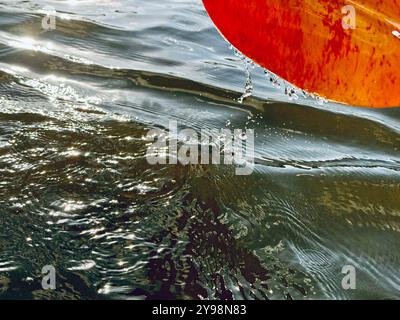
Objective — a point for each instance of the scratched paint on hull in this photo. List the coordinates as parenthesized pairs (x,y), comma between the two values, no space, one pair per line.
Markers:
(305,43)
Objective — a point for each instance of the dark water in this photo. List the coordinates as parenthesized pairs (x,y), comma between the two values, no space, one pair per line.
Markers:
(76,191)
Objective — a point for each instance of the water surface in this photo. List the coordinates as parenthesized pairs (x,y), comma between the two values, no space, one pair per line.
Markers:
(76,191)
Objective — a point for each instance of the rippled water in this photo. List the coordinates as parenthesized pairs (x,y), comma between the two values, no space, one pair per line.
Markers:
(76,191)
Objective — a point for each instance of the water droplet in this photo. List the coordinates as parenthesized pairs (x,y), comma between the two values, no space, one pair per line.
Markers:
(243,136)
(248,65)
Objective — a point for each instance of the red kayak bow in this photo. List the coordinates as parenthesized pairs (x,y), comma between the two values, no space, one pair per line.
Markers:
(345,51)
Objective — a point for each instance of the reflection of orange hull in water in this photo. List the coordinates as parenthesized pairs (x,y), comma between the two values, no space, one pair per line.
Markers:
(312,44)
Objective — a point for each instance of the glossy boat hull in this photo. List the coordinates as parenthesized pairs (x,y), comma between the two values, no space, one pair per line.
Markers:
(345,51)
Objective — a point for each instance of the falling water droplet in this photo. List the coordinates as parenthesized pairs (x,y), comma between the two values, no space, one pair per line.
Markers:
(248,65)
(290,91)
(243,136)
(321,101)
(273,79)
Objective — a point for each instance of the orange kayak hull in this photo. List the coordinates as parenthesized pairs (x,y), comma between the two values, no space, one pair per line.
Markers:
(344,51)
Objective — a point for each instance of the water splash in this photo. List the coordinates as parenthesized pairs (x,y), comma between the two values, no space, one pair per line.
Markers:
(248,66)
(292,92)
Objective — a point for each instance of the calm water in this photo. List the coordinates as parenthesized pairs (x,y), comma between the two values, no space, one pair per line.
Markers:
(76,191)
